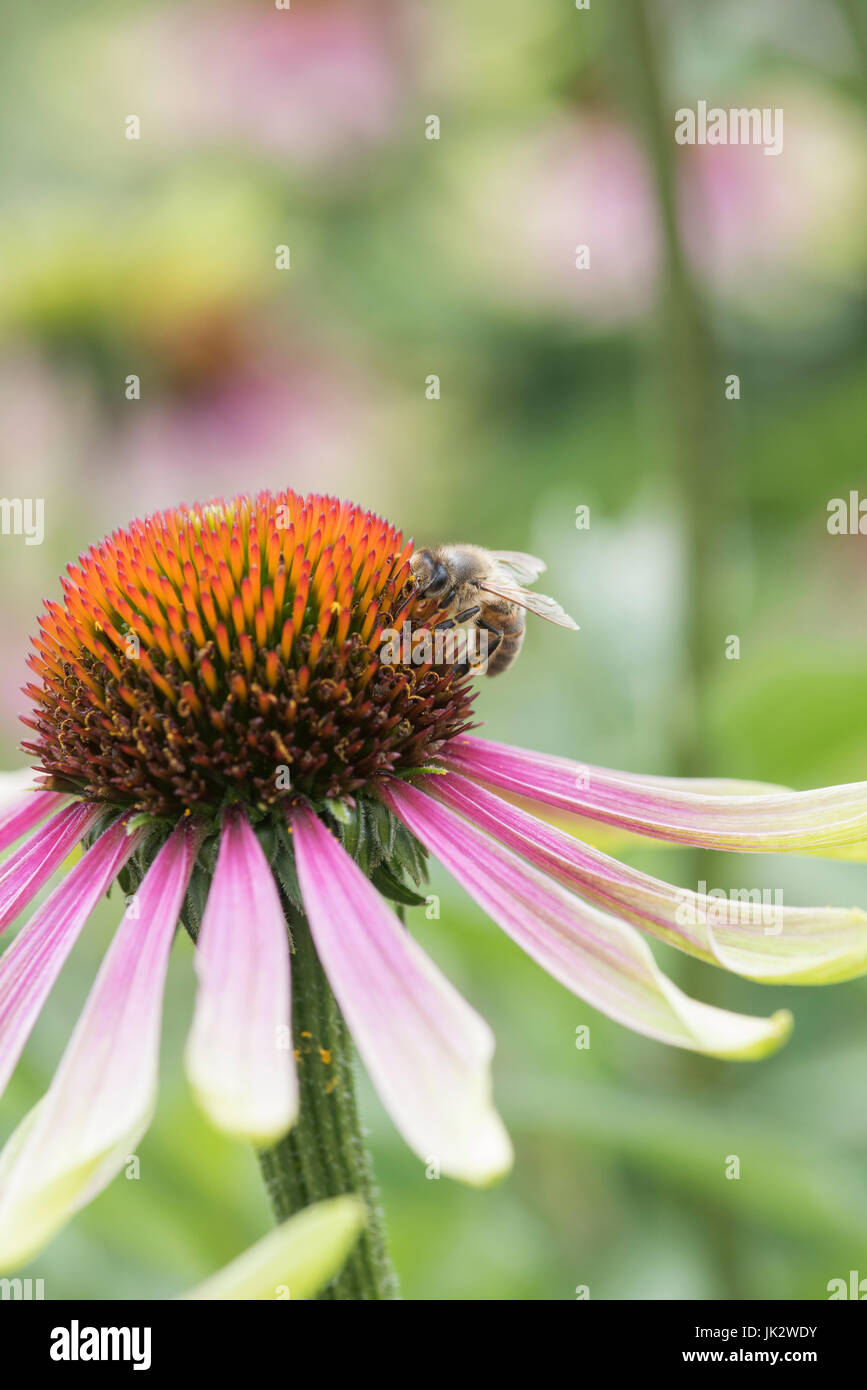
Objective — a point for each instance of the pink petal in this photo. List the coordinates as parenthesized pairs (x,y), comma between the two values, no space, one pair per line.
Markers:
(772,943)
(22,807)
(597,956)
(428,1053)
(101,1099)
(30,966)
(239,1056)
(715,814)
(24,872)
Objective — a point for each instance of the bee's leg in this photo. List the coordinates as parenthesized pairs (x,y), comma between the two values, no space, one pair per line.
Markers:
(449,623)
(442,606)
(458,618)
(497,635)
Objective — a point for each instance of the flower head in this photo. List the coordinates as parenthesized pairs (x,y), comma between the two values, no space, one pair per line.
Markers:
(203,648)
(216,724)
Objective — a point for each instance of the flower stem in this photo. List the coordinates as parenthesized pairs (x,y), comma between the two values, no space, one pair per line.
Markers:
(324,1155)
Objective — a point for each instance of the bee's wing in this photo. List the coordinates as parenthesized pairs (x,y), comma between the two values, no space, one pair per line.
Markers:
(517,567)
(540,604)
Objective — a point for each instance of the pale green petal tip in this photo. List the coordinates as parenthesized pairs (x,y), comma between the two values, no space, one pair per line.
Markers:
(497,1163)
(32,1213)
(779,1028)
(296,1260)
(226,1115)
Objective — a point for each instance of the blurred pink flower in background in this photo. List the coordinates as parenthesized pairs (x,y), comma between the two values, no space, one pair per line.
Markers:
(311,84)
(292,420)
(755,226)
(762,225)
(539,196)
(50,425)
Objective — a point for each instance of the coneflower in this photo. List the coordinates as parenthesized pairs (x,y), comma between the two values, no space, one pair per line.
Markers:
(214,723)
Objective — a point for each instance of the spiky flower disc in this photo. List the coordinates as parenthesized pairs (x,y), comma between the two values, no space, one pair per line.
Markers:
(232,652)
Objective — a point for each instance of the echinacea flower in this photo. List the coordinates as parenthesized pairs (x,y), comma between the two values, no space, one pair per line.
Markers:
(215,724)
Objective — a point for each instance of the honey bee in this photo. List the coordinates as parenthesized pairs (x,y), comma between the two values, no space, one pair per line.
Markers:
(486,587)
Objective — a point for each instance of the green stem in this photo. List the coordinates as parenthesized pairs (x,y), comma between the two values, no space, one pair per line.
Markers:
(324,1154)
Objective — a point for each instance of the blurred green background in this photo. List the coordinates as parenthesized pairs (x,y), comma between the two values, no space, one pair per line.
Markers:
(559,388)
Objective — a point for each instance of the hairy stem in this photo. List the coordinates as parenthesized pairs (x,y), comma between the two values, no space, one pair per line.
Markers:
(325,1154)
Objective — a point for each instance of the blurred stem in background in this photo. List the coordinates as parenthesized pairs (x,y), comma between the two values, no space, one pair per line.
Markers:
(693,395)
(693,387)
(855,16)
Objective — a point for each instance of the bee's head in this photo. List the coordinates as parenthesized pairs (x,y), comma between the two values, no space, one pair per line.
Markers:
(430,574)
